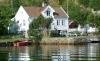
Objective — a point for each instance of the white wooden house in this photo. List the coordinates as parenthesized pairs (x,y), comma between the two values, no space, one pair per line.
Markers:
(25,15)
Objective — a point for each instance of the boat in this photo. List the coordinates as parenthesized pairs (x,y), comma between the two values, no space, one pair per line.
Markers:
(22,43)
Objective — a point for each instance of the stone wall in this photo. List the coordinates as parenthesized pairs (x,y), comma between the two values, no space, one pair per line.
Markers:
(63,40)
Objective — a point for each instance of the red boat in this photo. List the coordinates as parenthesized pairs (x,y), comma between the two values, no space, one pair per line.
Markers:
(22,43)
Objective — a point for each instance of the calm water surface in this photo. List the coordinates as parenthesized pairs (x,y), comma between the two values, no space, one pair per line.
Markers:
(90,52)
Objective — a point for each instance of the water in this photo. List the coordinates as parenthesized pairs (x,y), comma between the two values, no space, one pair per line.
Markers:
(90,52)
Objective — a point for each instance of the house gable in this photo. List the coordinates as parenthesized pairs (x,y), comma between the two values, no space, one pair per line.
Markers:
(22,19)
(21,13)
(48,12)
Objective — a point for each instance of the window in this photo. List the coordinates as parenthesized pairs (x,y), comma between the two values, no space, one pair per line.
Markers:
(18,21)
(58,22)
(23,22)
(63,22)
(48,13)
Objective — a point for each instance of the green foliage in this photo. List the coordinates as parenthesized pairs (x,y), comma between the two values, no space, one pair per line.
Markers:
(37,2)
(5,17)
(35,34)
(94,20)
(15,4)
(80,10)
(41,23)
(95,4)
(38,23)
(4,56)
(61,2)
(84,2)
(76,12)
(91,3)
(37,26)
(55,33)
(97,21)
(31,2)
(47,23)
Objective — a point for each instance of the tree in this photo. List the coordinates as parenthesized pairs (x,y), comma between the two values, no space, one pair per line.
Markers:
(38,23)
(15,4)
(94,4)
(37,26)
(91,3)
(97,21)
(41,23)
(4,19)
(84,2)
(75,12)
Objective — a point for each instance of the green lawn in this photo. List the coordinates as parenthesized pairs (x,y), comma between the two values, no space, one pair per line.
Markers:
(10,38)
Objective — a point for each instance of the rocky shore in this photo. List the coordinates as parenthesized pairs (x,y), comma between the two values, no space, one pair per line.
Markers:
(55,41)
(63,41)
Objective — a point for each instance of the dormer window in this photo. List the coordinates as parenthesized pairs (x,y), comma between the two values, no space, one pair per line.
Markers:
(48,13)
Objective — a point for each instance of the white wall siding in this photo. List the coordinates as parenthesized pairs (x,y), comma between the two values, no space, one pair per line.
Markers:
(22,19)
(60,24)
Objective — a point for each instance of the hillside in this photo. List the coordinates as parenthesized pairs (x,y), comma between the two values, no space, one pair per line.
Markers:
(81,11)
(4,2)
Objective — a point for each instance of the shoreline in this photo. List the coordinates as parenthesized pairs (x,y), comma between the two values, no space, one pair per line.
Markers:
(63,41)
(80,40)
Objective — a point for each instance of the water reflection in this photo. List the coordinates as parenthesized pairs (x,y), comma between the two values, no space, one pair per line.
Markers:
(36,53)
(3,56)
(61,54)
(94,52)
(90,52)
(19,54)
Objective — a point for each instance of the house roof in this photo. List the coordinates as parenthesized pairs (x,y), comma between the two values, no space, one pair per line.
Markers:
(33,11)
(59,12)
(36,11)
(72,24)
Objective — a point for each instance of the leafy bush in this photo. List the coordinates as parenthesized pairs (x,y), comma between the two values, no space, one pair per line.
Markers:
(56,33)
(35,34)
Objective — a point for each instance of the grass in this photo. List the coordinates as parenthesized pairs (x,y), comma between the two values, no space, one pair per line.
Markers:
(10,38)
(7,40)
